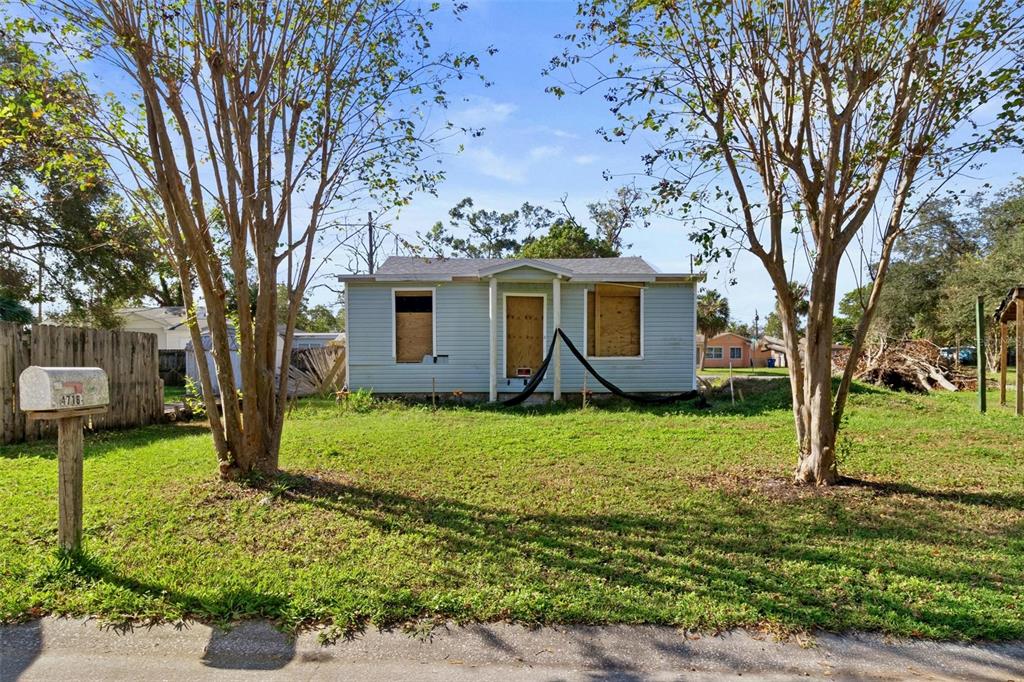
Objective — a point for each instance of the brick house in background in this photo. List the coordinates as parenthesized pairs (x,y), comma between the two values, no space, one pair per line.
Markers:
(736,350)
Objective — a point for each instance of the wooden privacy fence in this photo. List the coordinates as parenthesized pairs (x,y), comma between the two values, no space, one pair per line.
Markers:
(129,358)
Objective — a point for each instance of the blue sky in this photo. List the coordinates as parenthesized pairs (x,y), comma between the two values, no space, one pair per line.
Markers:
(538,148)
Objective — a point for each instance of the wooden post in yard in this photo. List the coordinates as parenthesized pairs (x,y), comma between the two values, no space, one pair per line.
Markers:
(1020,356)
(69,483)
(732,391)
(1004,359)
(980,352)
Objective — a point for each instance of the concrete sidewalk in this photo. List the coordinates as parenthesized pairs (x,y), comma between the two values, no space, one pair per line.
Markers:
(55,649)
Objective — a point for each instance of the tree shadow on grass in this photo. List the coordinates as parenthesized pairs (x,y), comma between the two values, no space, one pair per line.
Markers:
(734,555)
(983,499)
(100,443)
(723,558)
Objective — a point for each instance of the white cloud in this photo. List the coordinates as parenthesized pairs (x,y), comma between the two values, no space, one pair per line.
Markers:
(585,159)
(488,163)
(555,132)
(483,112)
(558,132)
(545,152)
(511,168)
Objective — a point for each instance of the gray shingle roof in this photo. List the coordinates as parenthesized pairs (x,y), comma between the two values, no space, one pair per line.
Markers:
(456,267)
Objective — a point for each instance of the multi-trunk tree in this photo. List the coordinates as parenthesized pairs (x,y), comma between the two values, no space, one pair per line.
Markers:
(262,125)
(799,130)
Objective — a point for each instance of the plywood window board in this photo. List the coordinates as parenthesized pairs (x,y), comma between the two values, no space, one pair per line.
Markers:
(414,325)
(614,321)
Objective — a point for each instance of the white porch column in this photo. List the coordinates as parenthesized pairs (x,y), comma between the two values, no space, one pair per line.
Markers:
(493,363)
(556,297)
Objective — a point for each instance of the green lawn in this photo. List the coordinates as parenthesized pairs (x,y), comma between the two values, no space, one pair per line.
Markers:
(667,515)
(174,394)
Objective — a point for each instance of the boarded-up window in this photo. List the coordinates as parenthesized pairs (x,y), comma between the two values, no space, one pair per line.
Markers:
(613,321)
(414,325)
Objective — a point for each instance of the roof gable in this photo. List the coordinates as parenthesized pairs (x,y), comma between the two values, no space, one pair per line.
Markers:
(544,265)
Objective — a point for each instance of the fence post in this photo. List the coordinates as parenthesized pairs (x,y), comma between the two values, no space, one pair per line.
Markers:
(980,352)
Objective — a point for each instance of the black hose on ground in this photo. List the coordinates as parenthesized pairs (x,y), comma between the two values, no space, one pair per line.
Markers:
(529,389)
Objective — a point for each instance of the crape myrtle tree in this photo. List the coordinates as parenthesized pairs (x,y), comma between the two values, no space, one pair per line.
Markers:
(795,130)
(277,116)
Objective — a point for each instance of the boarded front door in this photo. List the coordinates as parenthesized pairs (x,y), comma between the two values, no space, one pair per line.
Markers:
(524,334)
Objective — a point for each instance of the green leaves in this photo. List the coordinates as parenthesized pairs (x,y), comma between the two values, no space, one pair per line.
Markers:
(57,207)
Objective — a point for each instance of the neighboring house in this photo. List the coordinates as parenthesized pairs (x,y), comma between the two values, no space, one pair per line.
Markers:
(484,325)
(733,350)
(304,340)
(167,323)
(192,364)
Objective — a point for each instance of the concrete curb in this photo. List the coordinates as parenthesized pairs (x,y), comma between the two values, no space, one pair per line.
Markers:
(85,650)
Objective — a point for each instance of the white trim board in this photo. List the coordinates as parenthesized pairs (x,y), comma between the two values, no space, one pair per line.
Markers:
(504,328)
(394,330)
(348,342)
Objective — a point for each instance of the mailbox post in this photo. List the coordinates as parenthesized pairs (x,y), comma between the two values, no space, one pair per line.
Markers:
(67,394)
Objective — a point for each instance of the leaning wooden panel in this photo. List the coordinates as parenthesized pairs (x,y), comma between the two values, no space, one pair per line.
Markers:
(414,336)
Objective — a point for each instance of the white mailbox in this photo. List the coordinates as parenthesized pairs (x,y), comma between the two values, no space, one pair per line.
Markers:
(56,389)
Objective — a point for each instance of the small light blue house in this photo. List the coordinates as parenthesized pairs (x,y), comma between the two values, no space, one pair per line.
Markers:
(484,326)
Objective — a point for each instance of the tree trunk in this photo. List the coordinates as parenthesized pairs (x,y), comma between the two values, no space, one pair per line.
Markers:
(817,462)
(704,353)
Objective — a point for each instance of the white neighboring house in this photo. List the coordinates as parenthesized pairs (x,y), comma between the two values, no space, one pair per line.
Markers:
(304,340)
(168,323)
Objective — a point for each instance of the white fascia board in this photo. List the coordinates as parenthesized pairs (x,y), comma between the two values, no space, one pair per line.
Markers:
(395,278)
(645,277)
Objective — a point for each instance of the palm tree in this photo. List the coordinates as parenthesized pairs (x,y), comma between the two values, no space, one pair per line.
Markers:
(712,317)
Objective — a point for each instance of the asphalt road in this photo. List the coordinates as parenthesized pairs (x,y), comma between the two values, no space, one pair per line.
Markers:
(67,649)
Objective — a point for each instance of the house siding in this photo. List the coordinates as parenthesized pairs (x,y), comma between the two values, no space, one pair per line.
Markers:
(461,323)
